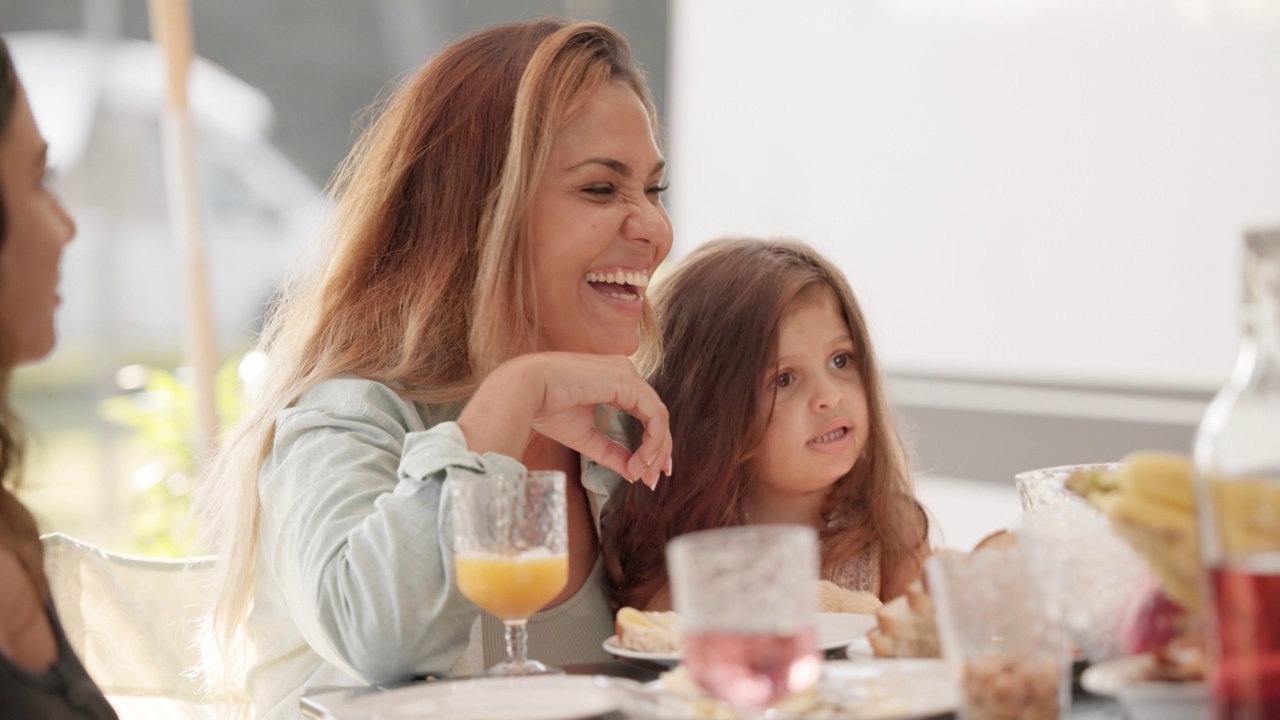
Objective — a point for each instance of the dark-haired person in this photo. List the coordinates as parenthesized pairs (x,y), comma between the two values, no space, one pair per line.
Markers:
(40,676)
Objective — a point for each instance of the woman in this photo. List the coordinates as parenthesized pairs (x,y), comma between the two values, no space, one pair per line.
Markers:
(496,228)
(40,676)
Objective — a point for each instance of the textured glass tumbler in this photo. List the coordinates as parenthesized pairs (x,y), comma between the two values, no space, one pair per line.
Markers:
(748,599)
(1001,635)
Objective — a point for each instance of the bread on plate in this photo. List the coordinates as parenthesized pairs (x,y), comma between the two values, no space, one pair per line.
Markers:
(648,631)
(834,599)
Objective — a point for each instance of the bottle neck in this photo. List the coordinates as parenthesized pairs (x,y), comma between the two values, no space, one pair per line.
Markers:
(1260,306)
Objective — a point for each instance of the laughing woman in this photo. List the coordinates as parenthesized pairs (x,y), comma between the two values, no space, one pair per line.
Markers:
(478,300)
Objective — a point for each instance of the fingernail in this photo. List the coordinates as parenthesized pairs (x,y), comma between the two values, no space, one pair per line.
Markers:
(652,485)
(667,469)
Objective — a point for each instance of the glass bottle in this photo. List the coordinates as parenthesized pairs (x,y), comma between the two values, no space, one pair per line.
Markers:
(1237,457)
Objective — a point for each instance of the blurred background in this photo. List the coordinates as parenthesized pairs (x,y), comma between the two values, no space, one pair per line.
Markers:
(1038,202)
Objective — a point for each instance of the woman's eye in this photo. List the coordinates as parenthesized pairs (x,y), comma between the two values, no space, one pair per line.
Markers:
(599,190)
(658,189)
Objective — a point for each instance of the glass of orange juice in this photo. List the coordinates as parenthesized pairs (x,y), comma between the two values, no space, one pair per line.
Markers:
(511,551)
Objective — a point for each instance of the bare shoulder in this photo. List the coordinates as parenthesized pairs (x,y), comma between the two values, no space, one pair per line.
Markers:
(26,637)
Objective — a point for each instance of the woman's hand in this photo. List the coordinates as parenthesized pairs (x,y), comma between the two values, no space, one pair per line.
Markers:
(556,394)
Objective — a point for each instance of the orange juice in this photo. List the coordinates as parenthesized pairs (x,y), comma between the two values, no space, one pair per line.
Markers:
(512,587)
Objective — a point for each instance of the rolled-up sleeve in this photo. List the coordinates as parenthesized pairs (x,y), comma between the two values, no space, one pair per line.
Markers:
(351,529)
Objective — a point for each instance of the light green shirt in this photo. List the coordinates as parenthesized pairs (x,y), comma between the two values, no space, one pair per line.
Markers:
(354,581)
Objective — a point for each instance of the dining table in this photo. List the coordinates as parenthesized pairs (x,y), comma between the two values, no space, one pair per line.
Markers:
(319,703)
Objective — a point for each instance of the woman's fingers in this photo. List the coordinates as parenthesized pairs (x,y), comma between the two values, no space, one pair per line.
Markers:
(593,380)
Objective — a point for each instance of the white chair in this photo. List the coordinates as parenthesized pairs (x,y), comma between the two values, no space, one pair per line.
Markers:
(134,622)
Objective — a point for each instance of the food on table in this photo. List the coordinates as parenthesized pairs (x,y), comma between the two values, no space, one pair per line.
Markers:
(907,627)
(1009,689)
(834,599)
(996,540)
(649,631)
(1157,622)
(1151,504)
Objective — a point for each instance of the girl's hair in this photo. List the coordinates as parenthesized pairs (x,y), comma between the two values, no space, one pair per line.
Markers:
(425,282)
(718,316)
(18,530)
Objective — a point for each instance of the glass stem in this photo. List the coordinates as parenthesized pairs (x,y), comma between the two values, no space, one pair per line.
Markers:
(517,637)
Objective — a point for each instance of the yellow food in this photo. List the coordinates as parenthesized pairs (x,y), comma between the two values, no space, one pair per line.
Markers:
(1151,502)
(649,631)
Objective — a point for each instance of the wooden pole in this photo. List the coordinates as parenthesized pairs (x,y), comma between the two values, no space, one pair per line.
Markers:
(171,28)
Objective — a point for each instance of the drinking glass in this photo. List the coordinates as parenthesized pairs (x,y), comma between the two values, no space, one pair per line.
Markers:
(748,599)
(511,551)
(1001,634)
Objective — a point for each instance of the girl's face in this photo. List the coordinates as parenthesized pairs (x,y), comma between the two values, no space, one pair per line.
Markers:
(36,231)
(819,425)
(597,226)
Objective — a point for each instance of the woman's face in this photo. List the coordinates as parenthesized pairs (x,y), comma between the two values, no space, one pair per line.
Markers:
(597,226)
(36,231)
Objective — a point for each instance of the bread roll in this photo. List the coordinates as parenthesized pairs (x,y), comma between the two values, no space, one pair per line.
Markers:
(998,539)
(651,632)
(906,627)
(834,599)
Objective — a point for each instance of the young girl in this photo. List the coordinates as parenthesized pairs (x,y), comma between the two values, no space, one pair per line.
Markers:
(780,416)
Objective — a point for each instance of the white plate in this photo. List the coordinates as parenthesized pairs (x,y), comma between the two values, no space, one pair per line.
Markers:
(835,630)
(538,697)
(1122,679)
(868,690)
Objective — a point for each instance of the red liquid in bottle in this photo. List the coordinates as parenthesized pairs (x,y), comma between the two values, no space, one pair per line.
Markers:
(1245,677)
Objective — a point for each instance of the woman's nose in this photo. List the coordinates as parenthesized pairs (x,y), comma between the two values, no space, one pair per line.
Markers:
(649,223)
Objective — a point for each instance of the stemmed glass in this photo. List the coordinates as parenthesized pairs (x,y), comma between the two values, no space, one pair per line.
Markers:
(748,599)
(511,551)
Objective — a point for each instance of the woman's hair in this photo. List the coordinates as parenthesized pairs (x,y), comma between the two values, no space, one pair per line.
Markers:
(719,314)
(424,283)
(18,531)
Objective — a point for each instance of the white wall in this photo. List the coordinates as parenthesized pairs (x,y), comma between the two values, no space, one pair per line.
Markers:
(1048,189)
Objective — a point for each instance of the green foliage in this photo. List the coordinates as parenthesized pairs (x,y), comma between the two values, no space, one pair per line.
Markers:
(162,415)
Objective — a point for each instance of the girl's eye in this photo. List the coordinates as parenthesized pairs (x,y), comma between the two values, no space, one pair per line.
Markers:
(784,380)
(842,361)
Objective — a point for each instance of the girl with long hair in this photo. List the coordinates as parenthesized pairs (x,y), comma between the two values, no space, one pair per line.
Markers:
(478,298)
(773,389)
(40,676)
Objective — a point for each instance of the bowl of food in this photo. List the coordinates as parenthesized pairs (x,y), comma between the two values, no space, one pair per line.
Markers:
(1047,486)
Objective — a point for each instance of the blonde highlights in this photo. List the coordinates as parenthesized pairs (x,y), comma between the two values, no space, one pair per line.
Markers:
(423,283)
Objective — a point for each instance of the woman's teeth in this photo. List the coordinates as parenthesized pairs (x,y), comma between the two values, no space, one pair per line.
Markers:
(833,435)
(638,279)
(620,284)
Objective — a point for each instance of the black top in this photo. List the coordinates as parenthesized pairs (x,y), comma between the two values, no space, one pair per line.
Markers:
(63,691)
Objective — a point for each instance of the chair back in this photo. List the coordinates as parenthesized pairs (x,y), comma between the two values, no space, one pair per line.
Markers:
(135,623)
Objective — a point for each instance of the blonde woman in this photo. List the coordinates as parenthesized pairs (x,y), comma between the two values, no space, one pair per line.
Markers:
(496,228)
